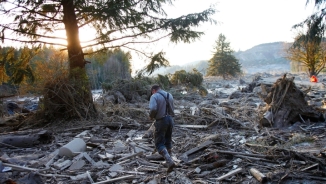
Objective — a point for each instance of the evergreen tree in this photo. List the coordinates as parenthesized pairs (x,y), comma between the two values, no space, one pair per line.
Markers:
(223,63)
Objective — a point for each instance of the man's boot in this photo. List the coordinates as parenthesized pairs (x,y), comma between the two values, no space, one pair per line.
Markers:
(170,152)
(168,160)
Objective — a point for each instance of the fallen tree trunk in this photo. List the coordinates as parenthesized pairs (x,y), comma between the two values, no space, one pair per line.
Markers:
(25,141)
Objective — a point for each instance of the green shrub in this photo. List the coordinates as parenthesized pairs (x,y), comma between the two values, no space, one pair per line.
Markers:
(193,78)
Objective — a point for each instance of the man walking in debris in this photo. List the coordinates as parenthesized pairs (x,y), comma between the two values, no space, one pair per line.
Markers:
(162,109)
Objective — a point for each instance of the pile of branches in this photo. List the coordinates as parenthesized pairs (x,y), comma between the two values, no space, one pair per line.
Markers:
(67,99)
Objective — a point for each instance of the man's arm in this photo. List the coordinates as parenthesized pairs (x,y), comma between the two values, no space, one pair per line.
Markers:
(152,108)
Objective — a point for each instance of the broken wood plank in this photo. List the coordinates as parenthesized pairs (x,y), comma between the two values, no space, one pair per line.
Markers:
(89,159)
(131,172)
(82,134)
(52,156)
(145,162)
(214,165)
(254,158)
(245,154)
(115,179)
(62,165)
(258,175)
(79,177)
(192,126)
(184,156)
(133,144)
(307,177)
(309,167)
(89,177)
(20,168)
(122,162)
(231,173)
(130,156)
(154,156)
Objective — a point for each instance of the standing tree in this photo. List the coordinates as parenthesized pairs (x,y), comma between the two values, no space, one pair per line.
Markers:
(313,39)
(223,63)
(121,23)
(310,53)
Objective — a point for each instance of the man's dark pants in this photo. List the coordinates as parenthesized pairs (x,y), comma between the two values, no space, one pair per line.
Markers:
(163,133)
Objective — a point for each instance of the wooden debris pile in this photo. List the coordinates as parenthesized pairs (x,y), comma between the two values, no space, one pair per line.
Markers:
(104,154)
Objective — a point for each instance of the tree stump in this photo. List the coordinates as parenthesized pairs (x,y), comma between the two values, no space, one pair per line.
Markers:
(287,105)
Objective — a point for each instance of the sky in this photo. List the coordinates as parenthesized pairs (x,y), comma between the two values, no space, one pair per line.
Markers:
(245,24)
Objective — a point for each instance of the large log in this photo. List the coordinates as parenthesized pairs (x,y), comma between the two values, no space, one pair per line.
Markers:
(26,141)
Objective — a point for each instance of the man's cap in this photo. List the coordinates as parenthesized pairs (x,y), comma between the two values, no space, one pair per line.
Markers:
(155,86)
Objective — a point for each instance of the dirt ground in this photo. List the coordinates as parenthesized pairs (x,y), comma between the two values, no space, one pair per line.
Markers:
(217,139)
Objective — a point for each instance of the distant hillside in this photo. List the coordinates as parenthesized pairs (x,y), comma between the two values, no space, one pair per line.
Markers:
(260,58)
(264,54)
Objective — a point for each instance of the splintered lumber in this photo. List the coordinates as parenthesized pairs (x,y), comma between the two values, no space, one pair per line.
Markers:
(89,177)
(149,133)
(192,126)
(213,165)
(231,173)
(20,168)
(314,165)
(115,179)
(258,175)
(221,116)
(89,159)
(62,165)
(182,178)
(130,156)
(254,158)
(184,156)
(245,154)
(307,176)
(144,162)
(154,156)
(50,158)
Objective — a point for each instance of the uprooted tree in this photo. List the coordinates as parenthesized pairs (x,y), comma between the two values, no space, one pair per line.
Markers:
(117,23)
(286,104)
